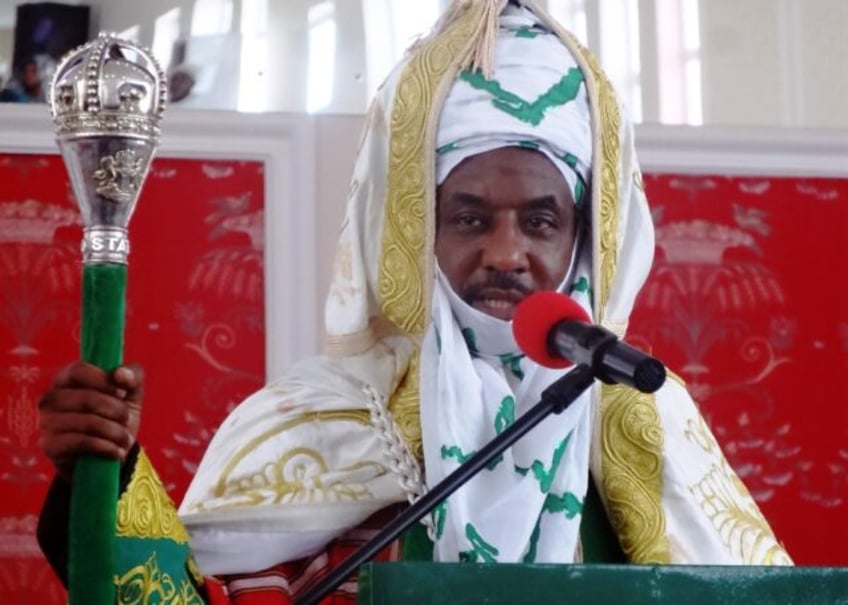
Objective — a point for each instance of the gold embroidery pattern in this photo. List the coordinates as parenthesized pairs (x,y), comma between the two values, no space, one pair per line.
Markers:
(342,286)
(356,416)
(407,233)
(145,510)
(301,475)
(632,469)
(730,508)
(698,433)
(404,408)
(146,583)
(607,165)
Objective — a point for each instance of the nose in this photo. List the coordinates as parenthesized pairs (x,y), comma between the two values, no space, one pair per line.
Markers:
(505,248)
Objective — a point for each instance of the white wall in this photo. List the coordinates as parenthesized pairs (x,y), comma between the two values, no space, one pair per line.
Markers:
(738,90)
(289,45)
(825,45)
(288,49)
(765,62)
(118,15)
(7,40)
(775,62)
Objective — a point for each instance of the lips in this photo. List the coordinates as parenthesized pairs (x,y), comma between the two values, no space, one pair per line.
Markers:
(498,302)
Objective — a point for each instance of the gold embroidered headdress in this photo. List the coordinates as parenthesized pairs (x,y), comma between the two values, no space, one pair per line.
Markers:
(315,453)
(384,268)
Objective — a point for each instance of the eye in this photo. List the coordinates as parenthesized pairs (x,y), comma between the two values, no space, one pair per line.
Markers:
(541,223)
(469,221)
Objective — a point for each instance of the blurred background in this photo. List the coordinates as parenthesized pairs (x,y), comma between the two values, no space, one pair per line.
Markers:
(754,62)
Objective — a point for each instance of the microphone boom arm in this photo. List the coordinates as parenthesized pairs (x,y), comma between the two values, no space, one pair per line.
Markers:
(555,399)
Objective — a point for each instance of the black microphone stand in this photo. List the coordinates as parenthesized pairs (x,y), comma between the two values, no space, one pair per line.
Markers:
(555,399)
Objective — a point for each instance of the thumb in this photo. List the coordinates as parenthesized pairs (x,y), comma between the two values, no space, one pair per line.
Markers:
(129,383)
(129,386)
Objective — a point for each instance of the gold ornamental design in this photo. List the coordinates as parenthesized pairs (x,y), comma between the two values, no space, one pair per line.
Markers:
(145,510)
(404,408)
(300,474)
(408,232)
(632,470)
(728,505)
(146,583)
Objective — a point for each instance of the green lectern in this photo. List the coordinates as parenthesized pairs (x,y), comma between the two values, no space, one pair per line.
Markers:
(502,584)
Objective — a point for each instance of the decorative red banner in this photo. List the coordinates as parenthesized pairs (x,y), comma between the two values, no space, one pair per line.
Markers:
(195,322)
(746,302)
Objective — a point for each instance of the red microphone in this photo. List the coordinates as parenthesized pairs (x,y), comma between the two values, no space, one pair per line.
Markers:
(554,331)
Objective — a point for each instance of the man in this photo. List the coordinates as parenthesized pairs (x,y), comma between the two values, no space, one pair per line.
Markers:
(495,162)
(26,87)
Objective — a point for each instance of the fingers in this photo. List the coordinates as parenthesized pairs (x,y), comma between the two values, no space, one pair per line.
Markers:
(71,432)
(82,375)
(65,449)
(65,400)
(89,411)
(125,382)
(64,437)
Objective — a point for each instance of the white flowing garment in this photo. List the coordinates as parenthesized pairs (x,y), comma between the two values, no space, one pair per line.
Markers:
(318,451)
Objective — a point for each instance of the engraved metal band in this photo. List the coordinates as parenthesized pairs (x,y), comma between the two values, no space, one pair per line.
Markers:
(105,245)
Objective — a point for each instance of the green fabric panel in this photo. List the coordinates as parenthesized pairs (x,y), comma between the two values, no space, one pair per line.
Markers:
(156,570)
(91,546)
(416,544)
(600,544)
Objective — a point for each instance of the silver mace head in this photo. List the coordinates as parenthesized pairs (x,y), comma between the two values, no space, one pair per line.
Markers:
(107,100)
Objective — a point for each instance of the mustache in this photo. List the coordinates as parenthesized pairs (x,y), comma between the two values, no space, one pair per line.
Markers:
(496,280)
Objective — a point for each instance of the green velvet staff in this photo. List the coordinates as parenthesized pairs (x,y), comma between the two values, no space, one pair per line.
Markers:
(94,495)
(107,100)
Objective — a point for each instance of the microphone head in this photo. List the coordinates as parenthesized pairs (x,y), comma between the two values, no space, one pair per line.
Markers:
(534,319)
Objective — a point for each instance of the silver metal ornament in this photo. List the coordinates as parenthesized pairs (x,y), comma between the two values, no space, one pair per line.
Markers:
(107,100)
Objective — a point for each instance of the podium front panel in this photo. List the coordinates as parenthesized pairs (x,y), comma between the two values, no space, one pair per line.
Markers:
(479,584)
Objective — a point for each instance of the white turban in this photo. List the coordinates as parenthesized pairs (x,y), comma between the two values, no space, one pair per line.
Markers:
(536,98)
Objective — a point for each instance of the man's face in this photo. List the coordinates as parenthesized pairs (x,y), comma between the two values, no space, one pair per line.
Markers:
(505,228)
(29,76)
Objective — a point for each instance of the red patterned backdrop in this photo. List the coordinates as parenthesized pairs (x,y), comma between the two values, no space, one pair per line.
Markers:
(744,302)
(195,321)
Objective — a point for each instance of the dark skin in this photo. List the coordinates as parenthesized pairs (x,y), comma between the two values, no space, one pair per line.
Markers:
(90,411)
(506,225)
(505,228)
(30,79)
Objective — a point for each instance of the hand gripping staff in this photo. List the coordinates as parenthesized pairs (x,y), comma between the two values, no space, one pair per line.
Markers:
(107,100)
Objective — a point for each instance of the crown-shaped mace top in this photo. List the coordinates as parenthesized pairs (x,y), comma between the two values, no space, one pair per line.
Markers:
(109,87)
